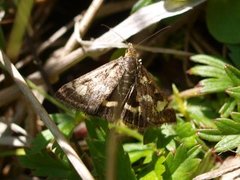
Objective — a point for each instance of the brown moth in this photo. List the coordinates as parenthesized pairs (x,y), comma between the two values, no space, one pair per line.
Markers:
(119,90)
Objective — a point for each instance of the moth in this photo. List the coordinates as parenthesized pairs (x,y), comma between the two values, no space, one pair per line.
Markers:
(119,90)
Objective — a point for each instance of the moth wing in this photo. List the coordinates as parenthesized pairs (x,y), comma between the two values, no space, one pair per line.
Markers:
(90,90)
(131,112)
(153,103)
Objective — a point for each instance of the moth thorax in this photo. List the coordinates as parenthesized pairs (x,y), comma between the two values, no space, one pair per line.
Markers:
(128,77)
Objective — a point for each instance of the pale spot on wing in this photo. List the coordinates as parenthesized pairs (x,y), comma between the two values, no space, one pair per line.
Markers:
(161,105)
(110,103)
(101,88)
(143,80)
(146,98)
(81,90)
(132,109)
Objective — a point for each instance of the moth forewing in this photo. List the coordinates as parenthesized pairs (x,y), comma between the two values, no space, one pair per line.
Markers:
(89,91)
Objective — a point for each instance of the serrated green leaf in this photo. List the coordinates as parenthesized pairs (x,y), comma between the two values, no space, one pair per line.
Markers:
(201,112)
(153,170)
(206,164)
(212,85)
(228,126)
(173,162)
(210,137)
(186,170)
(137,151)
(234,92)
(210,131)
(194,151)
(236,116)
(207,71)
(228,107)
(208,60)
(228,143)
(137,155)
(233,73)
(189,141)
(97,128)
(185,130)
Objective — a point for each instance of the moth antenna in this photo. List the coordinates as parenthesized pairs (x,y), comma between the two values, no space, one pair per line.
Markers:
(109,28)
(149,37)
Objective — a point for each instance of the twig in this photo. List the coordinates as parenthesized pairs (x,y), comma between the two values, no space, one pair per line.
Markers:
(62,141)
(84,25)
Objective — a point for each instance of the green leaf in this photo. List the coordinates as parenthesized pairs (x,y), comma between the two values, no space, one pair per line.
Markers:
(206,164)
(207,71)
(234,92)
(153,170)
(98,133)
(223,20)
(137,151)
(173,162)
(210,137)
(46,165)
(185,130)
(228,107)
(208,60)
(124,169)
(202,112)
(186,170)
(234,53)
(228,126)
(183,164)
(233,73)
(236,116)
(151,135)
(97,128)
(194,151)
(212,85)
(228,143)
(141,3)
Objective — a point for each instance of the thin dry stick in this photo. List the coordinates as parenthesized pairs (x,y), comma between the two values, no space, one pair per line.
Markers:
(63,143)
(84,24)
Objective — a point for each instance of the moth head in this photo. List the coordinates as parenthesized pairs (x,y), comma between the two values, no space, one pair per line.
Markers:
(131,52)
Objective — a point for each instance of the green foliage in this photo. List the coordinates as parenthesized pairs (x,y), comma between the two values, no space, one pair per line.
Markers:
(97,142)
(220,78)
(141,3)
(45,158)
(182,164)
(223,20)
